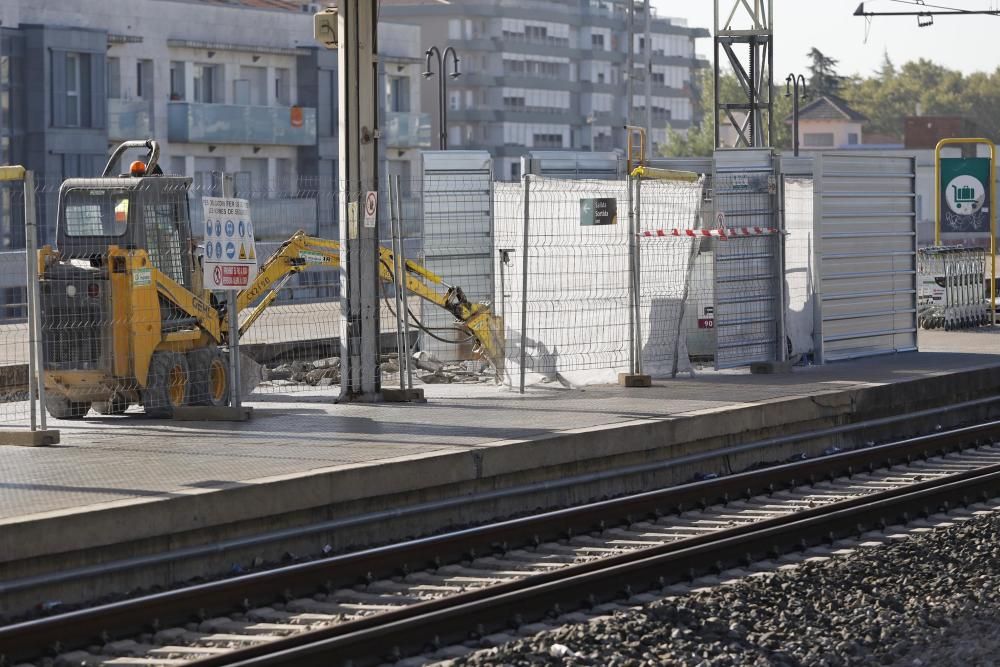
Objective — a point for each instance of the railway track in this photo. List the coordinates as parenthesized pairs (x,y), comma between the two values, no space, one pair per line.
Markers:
(382,604)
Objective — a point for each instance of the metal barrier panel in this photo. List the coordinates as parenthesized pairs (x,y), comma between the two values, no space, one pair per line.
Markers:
(800,317)
(866,217)
(456,189)
(747,273)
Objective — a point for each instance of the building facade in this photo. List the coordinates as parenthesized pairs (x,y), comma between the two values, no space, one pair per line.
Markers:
(225,86)
(552,74)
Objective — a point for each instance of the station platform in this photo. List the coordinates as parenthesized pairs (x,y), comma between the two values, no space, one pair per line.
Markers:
(127,487)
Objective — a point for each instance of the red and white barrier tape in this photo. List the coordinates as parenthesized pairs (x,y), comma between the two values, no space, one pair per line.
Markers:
(713,233)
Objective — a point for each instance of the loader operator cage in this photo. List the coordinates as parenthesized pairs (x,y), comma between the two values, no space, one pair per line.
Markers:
(149,213)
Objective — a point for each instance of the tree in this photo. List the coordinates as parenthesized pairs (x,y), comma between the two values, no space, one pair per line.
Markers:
(823,77)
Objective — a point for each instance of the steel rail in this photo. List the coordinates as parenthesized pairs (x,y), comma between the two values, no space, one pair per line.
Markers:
(27,640)
(387,637)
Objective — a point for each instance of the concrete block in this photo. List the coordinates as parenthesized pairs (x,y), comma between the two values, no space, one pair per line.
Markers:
(629,380)
(204,413)
(771,368)
(403,395)
(29,438)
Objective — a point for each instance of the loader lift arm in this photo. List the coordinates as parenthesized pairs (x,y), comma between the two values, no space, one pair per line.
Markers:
(302,252)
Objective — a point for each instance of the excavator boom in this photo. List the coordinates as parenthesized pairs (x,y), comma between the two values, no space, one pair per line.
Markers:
(301,252)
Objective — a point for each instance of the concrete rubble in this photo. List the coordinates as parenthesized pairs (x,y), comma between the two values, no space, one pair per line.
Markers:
(427,369)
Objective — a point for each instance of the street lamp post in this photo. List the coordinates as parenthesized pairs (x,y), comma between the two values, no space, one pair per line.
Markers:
(795,87)
(442,61)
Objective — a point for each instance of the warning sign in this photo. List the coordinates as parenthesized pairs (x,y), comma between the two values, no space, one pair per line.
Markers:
(371,208)
(230,259)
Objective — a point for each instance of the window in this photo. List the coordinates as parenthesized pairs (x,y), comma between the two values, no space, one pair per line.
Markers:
(398,93)
(600,77)
(513,102)
(852,138)
(282,86)
(818,139)
(547,141)
(144,79)
(515,170)
(163,237)
(597,41)
(96,213)
(114,79)
(206,82)
(72,90)
(15,302)
(176,81)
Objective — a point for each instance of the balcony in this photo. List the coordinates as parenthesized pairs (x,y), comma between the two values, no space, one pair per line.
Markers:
(130,119)
(407,130)
(196,123)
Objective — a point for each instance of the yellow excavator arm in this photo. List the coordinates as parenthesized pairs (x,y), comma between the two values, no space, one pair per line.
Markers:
(301,252)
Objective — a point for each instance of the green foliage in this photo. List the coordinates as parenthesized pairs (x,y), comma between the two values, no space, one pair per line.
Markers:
(922,87)
(886,97)
(823,77)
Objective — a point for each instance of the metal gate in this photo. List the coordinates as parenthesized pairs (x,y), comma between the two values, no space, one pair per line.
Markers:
(866,247)
(748,285)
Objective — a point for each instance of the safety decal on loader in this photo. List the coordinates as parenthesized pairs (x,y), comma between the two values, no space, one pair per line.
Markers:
(142,277)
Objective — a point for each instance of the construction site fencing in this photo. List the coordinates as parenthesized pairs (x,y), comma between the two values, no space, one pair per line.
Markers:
(952,288)
(588,279)
(18,337)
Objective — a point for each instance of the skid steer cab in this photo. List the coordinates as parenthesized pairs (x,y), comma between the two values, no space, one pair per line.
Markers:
(125,319)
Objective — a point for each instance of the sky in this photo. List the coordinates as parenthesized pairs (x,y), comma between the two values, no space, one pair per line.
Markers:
(967,44)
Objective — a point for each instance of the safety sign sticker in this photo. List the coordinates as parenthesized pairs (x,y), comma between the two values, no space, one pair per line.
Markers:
(230,258)
(371,208)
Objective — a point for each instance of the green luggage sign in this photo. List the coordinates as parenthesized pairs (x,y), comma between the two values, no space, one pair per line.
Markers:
(964,197)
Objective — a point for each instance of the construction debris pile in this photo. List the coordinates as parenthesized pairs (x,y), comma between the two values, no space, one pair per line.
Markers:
(428,369)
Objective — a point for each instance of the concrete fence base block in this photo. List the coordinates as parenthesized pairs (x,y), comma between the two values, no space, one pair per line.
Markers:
(29,438)
(771,368)
(403,396)
(630,380)
(212,414)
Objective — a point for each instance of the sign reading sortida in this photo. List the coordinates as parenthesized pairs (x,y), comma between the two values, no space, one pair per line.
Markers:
(602,211)
(964,201)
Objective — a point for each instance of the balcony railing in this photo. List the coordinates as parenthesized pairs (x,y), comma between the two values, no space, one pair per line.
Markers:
(130,119)
(240,124)
(407,130)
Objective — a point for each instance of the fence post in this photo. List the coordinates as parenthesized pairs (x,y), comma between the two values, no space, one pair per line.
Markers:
(782,345)
(631,276)
(526,182)
(397,279)
(233,311)
(36,385)
(637,276)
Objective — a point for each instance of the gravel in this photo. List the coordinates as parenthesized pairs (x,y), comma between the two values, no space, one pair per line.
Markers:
(932,599)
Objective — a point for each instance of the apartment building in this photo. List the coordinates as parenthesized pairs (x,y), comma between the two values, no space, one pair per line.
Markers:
(552,74)
(226,86)
(234,86)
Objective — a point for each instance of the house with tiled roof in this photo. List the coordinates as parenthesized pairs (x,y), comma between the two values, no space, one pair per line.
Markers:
(828,122)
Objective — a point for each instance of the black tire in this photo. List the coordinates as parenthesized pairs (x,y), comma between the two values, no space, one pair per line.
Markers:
(60,407)
(209,377)
(168,384)
(116,405)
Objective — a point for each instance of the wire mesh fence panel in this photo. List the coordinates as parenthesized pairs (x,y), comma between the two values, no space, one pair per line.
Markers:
(14,335)
(676,289)
(292,326)
(800,249)
(952,288)
(571,288)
